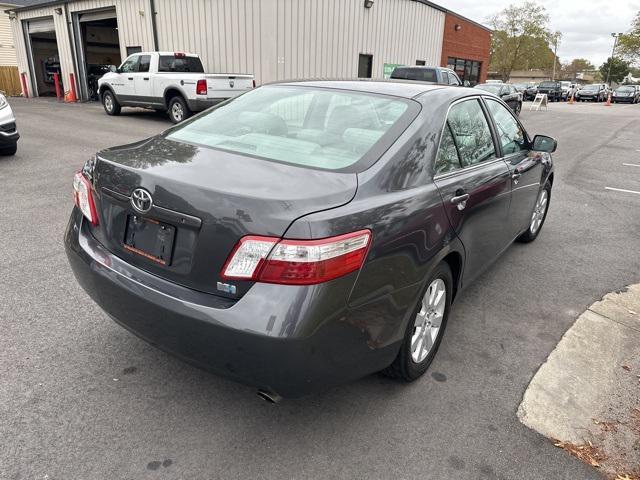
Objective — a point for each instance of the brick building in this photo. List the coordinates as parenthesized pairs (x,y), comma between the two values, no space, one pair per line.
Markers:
(465,48)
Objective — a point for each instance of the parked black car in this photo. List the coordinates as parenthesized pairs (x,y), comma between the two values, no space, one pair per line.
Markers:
(596,92)
(626,94)
(506,92)
(440,75)
(530,92)
(307,234)
(552,89)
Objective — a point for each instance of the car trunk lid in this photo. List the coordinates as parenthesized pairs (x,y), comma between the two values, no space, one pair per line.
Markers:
(207,199)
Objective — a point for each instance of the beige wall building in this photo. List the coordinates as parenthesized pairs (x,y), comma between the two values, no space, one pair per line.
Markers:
(272,39)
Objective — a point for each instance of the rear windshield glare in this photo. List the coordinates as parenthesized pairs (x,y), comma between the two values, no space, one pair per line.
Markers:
(169,63)
(313,127)
(420,74)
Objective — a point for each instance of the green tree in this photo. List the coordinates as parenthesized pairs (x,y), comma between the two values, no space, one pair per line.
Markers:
(519,33)
(577,65)
(619,69)
(629,43)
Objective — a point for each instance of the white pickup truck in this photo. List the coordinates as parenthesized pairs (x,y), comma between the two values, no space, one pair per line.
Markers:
(169,81)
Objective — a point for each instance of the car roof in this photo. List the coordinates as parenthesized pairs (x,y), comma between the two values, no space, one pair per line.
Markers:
(397,88)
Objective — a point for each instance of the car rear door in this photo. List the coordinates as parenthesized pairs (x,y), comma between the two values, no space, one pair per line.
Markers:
(474,185)
(525,167)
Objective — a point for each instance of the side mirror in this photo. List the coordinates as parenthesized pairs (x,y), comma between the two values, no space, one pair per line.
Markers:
(542,143)
(113,69)
(466,83)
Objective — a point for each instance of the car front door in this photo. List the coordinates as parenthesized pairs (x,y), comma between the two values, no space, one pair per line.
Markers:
(525,167)
(142,80)
(125,90)
(474,185)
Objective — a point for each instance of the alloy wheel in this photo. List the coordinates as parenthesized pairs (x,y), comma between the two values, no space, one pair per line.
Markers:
(428,320)
(539,211)
(177,112)
(108,102)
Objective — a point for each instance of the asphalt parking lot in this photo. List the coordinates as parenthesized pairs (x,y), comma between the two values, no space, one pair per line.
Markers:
(82,398)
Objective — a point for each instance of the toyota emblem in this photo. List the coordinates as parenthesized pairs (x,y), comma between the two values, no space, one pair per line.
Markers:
(141,200)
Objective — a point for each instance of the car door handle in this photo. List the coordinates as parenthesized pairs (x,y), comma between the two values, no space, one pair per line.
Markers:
(146,78)
(458,199)
(129,78)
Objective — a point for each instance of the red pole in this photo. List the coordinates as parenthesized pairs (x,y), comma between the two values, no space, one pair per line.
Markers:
(23,78)
(72,96)
(56,81)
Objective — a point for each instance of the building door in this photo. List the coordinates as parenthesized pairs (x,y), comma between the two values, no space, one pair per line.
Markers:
(98,47)
(44,59)
(365,65)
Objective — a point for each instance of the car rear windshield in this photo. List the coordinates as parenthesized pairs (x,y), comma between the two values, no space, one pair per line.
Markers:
(491,88)
(314,127)
(171,63)
(420,74)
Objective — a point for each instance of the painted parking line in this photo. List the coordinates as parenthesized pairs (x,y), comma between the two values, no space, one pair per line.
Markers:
(621,190)
(631,165)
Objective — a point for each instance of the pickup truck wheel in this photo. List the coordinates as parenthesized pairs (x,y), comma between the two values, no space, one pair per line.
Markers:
(110,104)
(178,110)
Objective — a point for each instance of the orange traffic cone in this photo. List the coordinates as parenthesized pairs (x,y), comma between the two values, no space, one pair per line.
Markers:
(608,104)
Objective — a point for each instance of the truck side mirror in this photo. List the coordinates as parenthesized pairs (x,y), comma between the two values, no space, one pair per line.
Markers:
(113,69)
(466,83)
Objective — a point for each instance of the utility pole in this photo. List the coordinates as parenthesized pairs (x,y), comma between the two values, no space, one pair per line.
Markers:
(615,36)
(556,37)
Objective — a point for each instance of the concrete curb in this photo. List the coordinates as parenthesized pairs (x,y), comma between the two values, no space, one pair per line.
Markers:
(587,393)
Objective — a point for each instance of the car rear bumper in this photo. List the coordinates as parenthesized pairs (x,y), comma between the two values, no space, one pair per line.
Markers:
(288,340)
(200,104)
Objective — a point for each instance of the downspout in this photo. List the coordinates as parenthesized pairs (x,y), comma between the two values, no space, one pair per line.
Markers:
(154,27)
(72,44)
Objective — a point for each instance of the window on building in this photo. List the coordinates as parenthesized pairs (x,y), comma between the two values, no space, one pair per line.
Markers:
(365,66)
(467,70)
(132,50)
(420,62)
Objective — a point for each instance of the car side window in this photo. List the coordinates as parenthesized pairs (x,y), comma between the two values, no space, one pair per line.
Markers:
(145,61)
(510,133)
(447,158)
(130,64)
(471,133)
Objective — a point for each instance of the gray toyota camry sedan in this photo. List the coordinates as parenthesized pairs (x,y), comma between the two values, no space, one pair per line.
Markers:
(310,233)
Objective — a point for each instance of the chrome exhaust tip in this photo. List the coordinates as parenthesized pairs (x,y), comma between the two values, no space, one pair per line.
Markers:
(269,397)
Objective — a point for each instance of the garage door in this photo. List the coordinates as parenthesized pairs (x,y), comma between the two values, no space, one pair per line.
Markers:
(100,15)
(41,25)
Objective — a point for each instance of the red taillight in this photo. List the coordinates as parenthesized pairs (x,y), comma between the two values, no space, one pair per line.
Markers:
(179,54)
(296,262)
(83,197)
(201,87)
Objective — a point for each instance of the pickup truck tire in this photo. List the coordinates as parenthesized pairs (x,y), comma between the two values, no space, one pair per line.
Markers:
(110,103)
(178,109)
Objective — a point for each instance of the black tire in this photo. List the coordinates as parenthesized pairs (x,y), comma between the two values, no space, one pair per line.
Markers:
(404,367)
(530,235)
(9,150)
(178,110)
(110,103)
